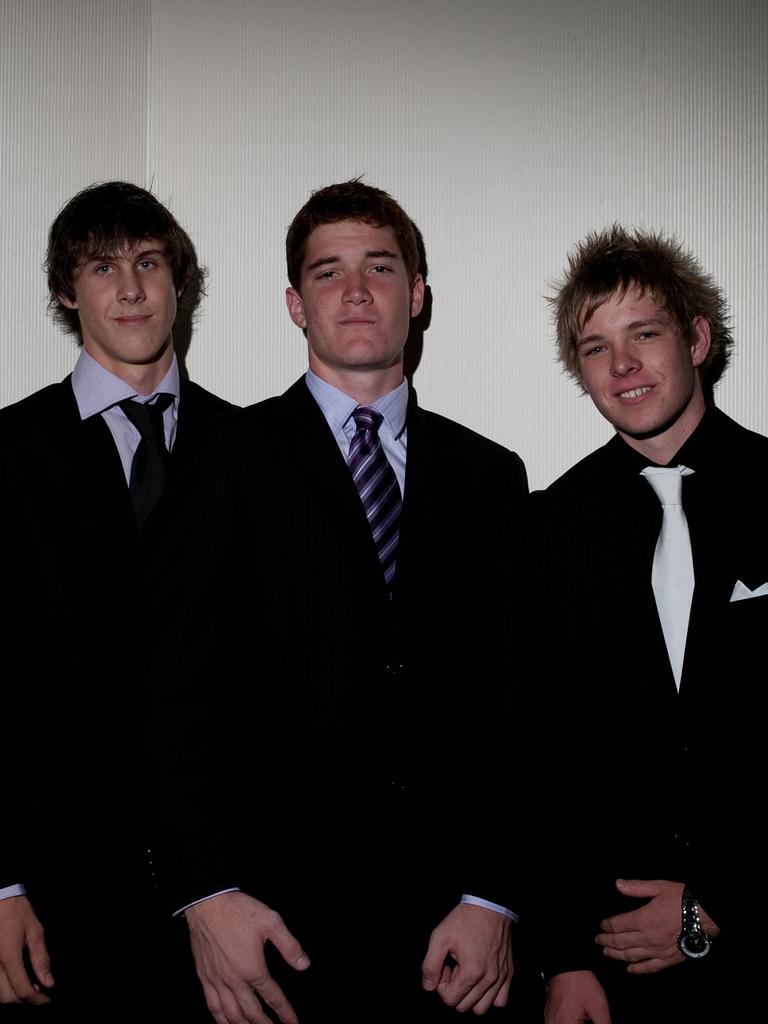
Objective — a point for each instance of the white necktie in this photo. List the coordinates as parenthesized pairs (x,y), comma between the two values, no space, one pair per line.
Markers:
(672,576)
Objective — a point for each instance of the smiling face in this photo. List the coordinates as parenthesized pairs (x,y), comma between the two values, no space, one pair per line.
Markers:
(641,374)
(126,303)
(355,303)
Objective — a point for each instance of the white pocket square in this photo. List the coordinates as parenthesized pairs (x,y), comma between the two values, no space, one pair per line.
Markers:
(742,592)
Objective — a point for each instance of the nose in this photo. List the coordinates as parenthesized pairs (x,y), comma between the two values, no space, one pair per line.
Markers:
(131,287)
(624,360)
(356,289)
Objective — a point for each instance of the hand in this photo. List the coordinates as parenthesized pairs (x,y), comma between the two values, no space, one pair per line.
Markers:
(479,941)
(576,996)
(646,938)
(19,927)
(228,934)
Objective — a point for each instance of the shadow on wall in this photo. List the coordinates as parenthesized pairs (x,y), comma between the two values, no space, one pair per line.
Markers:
(183,326)
(414,346)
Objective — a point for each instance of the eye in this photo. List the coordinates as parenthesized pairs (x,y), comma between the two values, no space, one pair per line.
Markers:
(102,269)
(380,268)
(591,350)
(647,335)
(146,264)
(325,275)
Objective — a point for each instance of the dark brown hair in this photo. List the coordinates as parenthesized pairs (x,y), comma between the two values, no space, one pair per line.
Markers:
(350,200)
(105,220)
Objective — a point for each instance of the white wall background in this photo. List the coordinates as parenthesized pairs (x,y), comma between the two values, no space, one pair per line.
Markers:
(506,128)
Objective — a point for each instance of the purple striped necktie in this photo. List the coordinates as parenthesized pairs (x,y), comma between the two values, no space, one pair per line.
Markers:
(377,486)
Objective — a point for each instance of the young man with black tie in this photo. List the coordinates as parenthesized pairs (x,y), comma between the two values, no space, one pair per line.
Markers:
(82,464)
(654,597)
(340,682)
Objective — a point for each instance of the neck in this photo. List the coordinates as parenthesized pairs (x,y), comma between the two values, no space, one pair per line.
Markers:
(144,378)
(364,386)
(664,446)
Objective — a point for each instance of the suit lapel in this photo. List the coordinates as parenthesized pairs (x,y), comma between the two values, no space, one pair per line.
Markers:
(196,406)
(427,482)
(91,473)
(318,461)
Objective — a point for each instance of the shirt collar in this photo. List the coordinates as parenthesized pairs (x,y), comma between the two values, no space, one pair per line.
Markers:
(96,389)
(337,406)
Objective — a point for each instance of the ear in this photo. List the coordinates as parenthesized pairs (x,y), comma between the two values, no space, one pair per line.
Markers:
(417,295)
(701,340)
(67,303)
(295,307)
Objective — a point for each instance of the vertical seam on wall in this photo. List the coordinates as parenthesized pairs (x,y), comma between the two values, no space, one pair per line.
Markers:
(148,85)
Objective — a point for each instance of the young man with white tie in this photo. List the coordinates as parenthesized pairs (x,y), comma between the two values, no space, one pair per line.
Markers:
(646,551)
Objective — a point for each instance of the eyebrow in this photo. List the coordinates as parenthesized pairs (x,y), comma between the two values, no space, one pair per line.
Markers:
(372,254)
(106,257)
(633,326)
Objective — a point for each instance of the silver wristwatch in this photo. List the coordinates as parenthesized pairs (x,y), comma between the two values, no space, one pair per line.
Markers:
(692,941)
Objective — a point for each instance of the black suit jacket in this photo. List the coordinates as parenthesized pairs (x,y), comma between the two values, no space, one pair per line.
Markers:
(646,782)
(69,630)
(318,745)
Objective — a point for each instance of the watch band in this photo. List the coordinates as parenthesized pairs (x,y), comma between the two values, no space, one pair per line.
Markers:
(692,941)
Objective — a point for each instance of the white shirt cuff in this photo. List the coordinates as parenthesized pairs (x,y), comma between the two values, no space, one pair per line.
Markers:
(12,890)
(202,900)
(475,901)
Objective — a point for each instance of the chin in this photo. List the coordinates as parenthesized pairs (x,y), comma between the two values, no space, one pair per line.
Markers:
(648,430)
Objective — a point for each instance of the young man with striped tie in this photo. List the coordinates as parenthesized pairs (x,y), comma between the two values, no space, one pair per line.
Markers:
(342,851)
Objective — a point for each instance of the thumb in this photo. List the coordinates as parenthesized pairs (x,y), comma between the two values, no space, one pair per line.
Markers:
(638,888)
(41,963)
(290,949)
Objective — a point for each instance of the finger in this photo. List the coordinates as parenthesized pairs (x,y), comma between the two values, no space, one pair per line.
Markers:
(213,1002)
(273,996)
(619,940)
(496,995)
(633,955)
(7,995)
(652,965)
(638,888)
(433,969)
(620,923)
(467,986)
(23,988)
(502,996)
(447,989)
(242,1007)
(474,997)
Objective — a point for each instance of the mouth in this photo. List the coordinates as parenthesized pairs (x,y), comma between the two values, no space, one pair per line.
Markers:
(355,321)
(635,392)
(132,321)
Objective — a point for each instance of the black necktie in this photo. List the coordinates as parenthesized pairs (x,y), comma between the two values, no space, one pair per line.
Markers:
(149,469)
